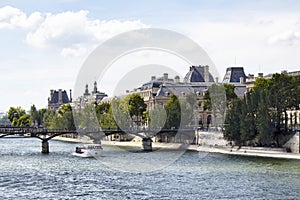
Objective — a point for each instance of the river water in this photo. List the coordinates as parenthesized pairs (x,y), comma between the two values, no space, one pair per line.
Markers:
(27,174)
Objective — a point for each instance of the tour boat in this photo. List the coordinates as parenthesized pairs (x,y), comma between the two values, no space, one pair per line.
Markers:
(89,150)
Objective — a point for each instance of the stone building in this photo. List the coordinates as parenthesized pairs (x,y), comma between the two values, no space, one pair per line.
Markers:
(94,97)
(196,81)
(236,76)
(251,80)
(58,98)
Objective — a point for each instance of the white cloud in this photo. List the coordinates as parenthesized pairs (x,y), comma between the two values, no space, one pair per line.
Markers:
(72,30)
(11,18)
(286,38)
(76,50)
(249,41)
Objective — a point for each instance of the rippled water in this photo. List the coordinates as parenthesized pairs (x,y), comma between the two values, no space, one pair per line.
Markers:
(27,174)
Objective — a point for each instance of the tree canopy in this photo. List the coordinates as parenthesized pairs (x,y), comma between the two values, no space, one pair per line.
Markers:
(262,116)
(18,116)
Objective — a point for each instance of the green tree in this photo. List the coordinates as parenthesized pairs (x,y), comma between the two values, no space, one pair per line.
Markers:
(173,112)
(215,100)
(15,113)
(280,86)
(263,121)
(18,117)
(120,113)
(218,91)
(157,117)
(4,120)
(41,114)
(263,115)
(86,118)
(136,107)
(247,120)
(187,113)
(34,115)
(24,120)
(102,108)
(232,122)
(49,119)
(105,116)
(61,119)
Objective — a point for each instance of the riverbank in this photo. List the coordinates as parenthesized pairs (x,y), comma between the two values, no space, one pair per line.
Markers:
(128,144)
(242,151)
(251,151)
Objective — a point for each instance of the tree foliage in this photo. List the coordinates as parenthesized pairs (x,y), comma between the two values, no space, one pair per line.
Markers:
(217,98)
(61,119)
(18,116)
(173,113)
(15,113)
(261,117)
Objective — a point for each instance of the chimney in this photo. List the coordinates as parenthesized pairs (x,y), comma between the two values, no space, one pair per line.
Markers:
(71,96)
(241,80)
(260,75)
(60,96)
(206,73)
(51,94)
(153,78)
(165,77)
(177,79)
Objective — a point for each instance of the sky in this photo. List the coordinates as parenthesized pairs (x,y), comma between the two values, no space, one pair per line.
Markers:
(45,43)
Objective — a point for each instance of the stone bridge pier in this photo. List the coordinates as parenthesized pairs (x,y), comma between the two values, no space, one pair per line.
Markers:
(147,144)
(45,146)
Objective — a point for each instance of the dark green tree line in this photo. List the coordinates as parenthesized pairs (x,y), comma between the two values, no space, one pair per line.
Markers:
(261,117)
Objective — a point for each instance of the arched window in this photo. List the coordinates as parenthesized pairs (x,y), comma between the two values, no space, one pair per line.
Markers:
(208,119)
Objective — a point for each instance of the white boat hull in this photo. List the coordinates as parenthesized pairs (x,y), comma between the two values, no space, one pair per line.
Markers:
(89,151)
(88,154)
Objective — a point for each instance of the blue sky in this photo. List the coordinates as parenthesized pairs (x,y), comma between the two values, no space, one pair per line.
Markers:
(44,43)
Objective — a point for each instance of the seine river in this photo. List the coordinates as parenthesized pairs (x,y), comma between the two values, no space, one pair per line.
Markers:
(27,174)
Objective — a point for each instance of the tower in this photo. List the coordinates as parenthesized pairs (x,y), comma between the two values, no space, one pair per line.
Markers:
(95,88)
(86,93)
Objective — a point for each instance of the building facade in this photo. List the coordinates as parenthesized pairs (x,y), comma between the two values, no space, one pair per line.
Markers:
(197,81)
(236,76)
(88,97)
(58,98)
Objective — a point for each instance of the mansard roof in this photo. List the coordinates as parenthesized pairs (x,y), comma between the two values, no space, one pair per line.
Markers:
(182,89)
(54,98)
(197,74)
(233,75)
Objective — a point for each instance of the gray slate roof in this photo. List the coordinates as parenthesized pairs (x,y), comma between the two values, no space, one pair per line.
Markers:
(233,75)
(196,74)
(54,99)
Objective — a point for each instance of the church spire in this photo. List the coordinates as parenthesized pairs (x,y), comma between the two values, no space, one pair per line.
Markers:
(86,93)
(95,87)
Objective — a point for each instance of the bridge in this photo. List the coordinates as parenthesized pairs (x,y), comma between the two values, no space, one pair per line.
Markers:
(41,133)
(95,134)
